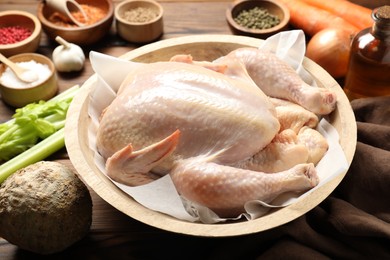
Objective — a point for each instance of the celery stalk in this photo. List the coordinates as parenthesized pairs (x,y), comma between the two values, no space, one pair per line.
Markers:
(20,137)
(32,123)
(36,153)
(69,93)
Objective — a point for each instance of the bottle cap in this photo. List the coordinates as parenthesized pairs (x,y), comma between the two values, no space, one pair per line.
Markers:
(383,12)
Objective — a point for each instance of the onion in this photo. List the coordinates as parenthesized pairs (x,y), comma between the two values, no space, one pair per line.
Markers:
(330,48)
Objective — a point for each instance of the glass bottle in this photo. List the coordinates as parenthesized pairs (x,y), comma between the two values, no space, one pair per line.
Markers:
(369,64)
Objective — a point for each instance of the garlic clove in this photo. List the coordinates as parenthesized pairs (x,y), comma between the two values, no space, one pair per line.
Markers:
(67,56)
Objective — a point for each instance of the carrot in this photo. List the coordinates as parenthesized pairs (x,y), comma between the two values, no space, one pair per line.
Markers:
(355,14)
(313,19)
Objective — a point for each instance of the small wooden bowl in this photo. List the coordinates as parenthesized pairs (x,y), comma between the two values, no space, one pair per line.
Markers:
(19,97)
(273,7)
(26,20)
(82,35)
(201,47)
(139,32)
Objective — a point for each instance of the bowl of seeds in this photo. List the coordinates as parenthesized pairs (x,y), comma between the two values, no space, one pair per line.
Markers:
(257,18)
(139,21)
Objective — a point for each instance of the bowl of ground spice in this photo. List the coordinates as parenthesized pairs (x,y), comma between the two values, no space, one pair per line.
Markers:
(19,32)
(139,21)
(257,18)
(99,14)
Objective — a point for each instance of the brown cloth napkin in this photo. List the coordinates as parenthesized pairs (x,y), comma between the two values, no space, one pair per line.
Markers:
(354,222)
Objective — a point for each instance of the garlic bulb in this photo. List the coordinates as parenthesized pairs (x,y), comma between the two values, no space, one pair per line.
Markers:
(67,56)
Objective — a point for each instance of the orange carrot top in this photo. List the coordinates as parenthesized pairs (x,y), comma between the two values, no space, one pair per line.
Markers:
(313,19)
(355,14)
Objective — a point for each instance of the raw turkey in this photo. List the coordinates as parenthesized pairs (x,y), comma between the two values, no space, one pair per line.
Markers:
(214,128)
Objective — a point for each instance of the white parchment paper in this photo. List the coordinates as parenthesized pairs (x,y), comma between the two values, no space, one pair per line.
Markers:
(161,194)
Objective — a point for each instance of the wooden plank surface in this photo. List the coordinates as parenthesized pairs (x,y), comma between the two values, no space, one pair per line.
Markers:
(113,233)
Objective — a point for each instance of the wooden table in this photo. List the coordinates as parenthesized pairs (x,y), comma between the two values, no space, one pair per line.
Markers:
(113,233)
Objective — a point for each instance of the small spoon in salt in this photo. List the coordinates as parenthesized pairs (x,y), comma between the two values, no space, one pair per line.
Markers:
(23,74)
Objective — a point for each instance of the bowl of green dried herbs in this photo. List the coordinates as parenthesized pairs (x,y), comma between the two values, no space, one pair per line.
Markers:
(257,18)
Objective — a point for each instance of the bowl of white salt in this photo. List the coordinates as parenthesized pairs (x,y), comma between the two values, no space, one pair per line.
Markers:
(18,93)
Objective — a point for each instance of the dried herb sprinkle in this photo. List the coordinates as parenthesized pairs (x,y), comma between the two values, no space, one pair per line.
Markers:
(257,18)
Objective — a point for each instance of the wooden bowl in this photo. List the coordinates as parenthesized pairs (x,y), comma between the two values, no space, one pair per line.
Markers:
(26,20)
(139,32)
(19,97)
(274,7)
(80,35)
(201,47)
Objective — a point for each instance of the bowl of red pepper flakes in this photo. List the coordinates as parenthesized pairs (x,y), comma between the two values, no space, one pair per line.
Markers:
(100,15)
(20,32)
